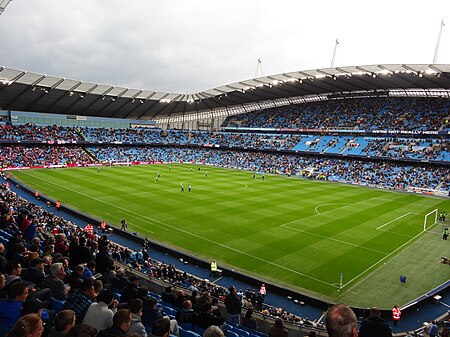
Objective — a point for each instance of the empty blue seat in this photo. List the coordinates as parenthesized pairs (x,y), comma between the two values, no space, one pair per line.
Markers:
(232,334)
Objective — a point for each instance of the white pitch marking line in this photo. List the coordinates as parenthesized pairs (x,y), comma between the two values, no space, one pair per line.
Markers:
(382,259)
(387,223)
(336,240)
(333,203)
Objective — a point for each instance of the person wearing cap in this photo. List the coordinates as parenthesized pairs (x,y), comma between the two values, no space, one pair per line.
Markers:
(100,314)
(35,273)
(131,290)
(33,306)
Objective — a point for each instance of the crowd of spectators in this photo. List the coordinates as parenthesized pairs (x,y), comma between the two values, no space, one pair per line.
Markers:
(28,156)
(32,132)
(402,114)
(433,149)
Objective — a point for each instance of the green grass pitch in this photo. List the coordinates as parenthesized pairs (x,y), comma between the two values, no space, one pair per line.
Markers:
(298,233)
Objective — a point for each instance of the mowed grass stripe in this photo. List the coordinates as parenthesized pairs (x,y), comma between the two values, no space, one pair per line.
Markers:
(231,216)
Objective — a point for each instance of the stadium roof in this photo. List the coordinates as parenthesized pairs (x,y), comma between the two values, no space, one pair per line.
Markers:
(3,4)
(26,91)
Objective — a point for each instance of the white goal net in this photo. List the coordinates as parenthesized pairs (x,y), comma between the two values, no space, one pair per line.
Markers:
(430,219)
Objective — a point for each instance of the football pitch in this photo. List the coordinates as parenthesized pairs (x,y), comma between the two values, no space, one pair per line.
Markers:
(335,241)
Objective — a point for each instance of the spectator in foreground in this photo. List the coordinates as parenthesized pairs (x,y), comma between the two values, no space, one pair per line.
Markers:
(136,323)
(26,326)
(64,321)
(82,330)
(161,328)
(374,326)
(100,314)
(81,299)
(340,321)
(213,331)
(121,324)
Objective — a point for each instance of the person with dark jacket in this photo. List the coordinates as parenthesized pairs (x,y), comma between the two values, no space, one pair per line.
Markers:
(150,313)
(35,274)
(205,318)
(233,305)
(103,261)
(186,314)
(119,280)
(168,296)
(131,290)
(374,326)
(79,253)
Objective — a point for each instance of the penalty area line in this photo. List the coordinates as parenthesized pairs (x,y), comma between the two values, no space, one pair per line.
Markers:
(387,223)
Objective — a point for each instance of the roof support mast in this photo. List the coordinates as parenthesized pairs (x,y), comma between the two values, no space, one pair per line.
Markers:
(436,52)
(334,53)
(259,70)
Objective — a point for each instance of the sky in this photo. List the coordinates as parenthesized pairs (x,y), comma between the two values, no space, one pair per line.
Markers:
(189,46)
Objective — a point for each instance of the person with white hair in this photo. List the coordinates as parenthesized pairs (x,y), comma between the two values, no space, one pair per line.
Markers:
(55,282)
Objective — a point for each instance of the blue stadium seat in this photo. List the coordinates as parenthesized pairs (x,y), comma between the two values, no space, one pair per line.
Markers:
(199,330)
(56,305)
(232,334)
(188,333)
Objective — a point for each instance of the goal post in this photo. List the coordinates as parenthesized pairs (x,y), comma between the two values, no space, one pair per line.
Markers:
(431,218)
